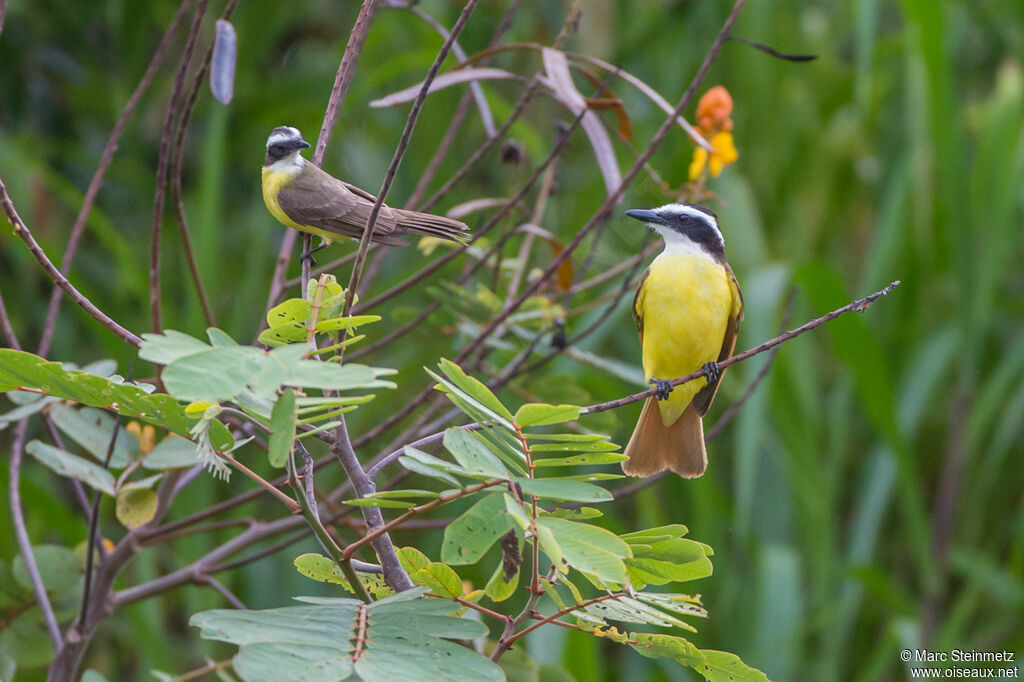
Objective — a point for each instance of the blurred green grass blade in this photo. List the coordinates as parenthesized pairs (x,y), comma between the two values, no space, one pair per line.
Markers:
(929,365)
(995,189)
(780,612)
(765,289)
(874,489)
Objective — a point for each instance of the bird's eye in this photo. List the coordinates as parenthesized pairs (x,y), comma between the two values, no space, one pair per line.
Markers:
(277,149)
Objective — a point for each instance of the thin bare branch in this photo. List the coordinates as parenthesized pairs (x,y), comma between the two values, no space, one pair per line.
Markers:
(94,520)
(396,159)
(163,165)
(21,532)
(7,327)
(78,228)
(342,81)
(22,231)
(177,197)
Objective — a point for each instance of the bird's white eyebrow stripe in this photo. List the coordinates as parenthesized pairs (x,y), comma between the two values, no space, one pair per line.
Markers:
(291,134)
(692,212)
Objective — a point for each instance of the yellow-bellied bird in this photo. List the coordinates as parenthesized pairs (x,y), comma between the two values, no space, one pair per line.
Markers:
(688,309)
(304,197)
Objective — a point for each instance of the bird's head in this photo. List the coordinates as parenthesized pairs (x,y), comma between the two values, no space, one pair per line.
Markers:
(284,142)
(679,224)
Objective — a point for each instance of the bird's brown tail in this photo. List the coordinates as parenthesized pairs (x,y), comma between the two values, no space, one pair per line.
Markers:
(655,447)
(432,225)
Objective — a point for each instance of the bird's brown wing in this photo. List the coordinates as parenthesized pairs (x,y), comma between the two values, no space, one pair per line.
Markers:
(637,316)
(359,192)
(324,202)
(702,401)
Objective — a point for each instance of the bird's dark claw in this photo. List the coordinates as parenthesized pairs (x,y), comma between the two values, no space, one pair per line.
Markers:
(664,387)
(308,255)
(711,372)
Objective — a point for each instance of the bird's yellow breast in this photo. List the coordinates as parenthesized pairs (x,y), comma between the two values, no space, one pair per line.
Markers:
(685,304)
(273,182)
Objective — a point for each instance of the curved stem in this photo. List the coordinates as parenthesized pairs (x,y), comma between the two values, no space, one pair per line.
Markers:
(78,228)
(78,297)
(396,159)
(21,532)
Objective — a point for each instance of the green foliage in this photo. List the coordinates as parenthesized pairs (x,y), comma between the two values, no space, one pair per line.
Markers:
(402,636)
(294,320)
(20,370)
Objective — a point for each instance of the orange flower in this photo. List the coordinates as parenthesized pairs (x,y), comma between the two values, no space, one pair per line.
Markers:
(713,121)
(714,109)
(723,153)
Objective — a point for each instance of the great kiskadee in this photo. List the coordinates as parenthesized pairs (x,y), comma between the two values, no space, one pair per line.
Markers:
(688,309)
(302,196)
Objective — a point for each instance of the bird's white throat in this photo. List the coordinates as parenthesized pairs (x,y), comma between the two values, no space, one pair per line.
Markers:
(679,245)
(290,164)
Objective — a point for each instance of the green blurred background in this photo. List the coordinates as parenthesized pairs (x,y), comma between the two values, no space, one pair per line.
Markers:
(868,498)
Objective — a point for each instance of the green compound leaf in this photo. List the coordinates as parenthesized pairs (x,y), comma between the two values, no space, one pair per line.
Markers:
(322,569)
(661,555)
(320,640)
(559,489)
(326,570)
(59,567)
(215,374)
(72,466)
(589,549)
(579,460)
(470,405)
(654,645)
(467,538)
(721,666)
(19,369)
(136,507)
(282,429)
(498,589)
(474,388)
(472,454)
(92,428)
(195,371)
(575,446)
(173,452)
(440,578)
(540,414)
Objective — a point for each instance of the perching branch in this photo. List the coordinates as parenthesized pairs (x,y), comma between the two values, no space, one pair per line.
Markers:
(859,305)
(94,519)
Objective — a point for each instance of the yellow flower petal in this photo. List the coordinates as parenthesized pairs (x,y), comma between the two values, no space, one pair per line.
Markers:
(700,159)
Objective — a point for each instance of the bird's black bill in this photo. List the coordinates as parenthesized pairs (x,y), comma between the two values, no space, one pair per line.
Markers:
(301,144)
(646,216)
